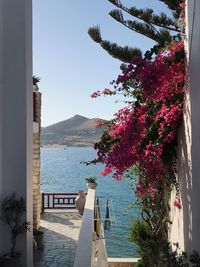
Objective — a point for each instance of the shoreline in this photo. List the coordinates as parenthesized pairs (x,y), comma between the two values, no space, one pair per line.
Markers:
(65,146)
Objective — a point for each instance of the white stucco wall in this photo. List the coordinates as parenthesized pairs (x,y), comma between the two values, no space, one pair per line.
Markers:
(186,223)
(16,127)
(194,71)
(180,230)
(84,250)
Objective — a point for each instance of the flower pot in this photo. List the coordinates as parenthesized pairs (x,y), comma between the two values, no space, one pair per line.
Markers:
(39,240)
(8,261)
(92,185)
(80,202)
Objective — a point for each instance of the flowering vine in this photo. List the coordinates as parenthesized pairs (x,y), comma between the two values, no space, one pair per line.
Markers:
(142,136)
(143,133)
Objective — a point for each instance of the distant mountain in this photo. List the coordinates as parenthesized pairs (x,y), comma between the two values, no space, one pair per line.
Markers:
(76,131)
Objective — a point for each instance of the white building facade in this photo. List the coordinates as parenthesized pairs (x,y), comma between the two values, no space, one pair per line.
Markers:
(16,120)
(186,221)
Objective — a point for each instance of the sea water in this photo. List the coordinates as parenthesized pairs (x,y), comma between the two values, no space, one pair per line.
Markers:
(63,172)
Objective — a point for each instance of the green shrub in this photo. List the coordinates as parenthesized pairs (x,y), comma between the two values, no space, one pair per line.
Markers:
(157,252)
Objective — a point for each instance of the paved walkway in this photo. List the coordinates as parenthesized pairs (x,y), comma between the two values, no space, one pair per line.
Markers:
(61,231)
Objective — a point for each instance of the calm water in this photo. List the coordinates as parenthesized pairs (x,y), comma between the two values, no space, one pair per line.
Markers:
(62,172)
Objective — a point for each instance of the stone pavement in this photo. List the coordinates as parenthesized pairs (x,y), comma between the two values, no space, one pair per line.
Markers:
(61,231)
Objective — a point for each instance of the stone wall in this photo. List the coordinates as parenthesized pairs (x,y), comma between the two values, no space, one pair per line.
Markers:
(36,159)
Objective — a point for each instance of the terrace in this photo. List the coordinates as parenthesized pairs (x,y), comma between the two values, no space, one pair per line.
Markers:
(69,239)
(59,238)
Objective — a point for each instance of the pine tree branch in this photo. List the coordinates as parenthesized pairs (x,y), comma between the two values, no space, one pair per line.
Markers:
(173,4)
(147,16)
(165,22)
(162,36)
(155,27)
(95,34)
(117,15)
(124,54)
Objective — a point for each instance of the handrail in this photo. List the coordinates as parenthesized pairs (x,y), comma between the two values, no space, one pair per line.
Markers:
(84,251)
(58,201)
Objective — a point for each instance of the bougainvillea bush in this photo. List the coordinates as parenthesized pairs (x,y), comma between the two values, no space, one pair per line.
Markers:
(144,132)
(143,135)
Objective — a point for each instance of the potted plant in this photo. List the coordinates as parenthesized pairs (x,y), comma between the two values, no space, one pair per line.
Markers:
(12,210)
(91,182)
(36,80)
(38,239)
(80,202)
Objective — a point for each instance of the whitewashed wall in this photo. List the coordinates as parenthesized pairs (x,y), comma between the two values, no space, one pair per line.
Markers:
(16,126)
(186,222)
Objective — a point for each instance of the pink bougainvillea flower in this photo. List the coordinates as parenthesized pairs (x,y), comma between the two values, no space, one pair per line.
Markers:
(95,94)
(177,204)
(107,91)
(182,5)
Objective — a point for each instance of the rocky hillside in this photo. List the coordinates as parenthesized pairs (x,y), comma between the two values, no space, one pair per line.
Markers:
(76,131)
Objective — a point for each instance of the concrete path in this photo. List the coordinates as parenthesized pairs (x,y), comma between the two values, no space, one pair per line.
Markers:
(61,231)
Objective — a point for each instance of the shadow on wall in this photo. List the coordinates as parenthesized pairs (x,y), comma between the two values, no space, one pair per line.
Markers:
(189,161)
(185,179)
(189,170)
(181,230)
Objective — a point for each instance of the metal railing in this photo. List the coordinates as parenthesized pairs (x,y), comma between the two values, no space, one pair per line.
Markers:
(58,201)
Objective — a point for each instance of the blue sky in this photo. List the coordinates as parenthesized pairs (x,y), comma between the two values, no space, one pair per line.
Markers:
(70,64)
